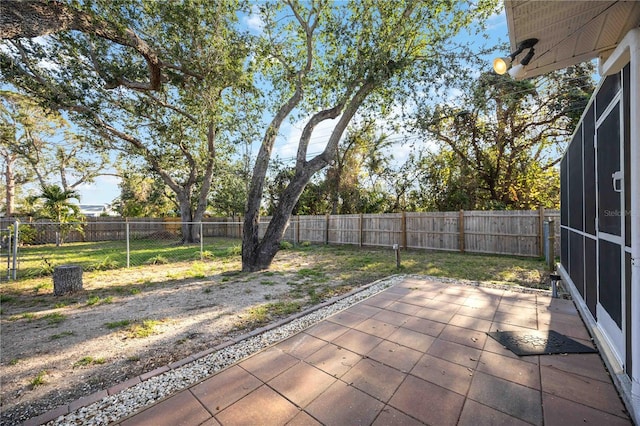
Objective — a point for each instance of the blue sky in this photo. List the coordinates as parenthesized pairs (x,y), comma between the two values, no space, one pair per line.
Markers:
(105,188)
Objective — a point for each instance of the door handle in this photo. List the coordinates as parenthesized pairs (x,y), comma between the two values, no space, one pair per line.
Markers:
(617,181)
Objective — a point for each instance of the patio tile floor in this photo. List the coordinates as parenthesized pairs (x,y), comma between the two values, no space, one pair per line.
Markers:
(416,353)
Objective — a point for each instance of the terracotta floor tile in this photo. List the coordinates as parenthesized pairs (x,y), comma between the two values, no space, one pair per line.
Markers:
(411,339)
(417,297)
(561,305)
(513,369)
(443,373)
(485,313)
(225,388)
(262,406)
(342,405)
(390,416)
(303,419)
(180,409)
(376,327)
(562,412)
(210,422)
(269,363)
(449,299)
(461,319)
(443,305)
(424,326)
(587,365)
(381,300)
(510,398)
(395,355)
(346,318)
(427,402)
(357,341)
(302,383)
(403,308)
(301,345)
(435,315)
(364,310)
(522,306)
(575,330)
(464,336)
(374,378)
(455,352)
(393,318)
(334,360)
(327,331)
(476,414)
(584,390)
(515,318)
(400,290)
(479,302)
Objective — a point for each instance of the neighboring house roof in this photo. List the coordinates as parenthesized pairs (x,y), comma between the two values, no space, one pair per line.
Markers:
(569,32)
(95,210)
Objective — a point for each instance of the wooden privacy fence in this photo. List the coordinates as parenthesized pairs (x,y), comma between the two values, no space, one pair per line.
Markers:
(517,233)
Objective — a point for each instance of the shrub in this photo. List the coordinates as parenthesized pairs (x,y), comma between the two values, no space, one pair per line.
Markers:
(285,245)
(157,260)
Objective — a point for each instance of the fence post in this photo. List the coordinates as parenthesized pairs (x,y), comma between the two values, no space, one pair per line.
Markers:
(461,230)
(126,233)
(326,234)
(541,230)
(361,238)
(201,243)
(297,240)
(16,241)
(403,228)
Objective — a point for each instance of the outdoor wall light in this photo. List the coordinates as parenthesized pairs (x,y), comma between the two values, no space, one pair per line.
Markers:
(501,65)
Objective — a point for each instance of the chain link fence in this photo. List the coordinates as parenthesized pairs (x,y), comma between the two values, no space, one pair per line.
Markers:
(103,245)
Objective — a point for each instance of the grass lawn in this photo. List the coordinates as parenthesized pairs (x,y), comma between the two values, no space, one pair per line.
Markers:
(161,261)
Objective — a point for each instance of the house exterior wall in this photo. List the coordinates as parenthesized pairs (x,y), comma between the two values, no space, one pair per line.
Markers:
(600,217)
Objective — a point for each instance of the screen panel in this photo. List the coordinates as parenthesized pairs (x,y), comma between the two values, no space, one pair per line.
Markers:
(576,191)
(609,213)
(564,248)
(609,89)
(576,261)
(610,277)
(564,192)
(589,164)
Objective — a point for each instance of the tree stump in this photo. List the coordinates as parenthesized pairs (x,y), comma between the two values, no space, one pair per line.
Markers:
(66,279)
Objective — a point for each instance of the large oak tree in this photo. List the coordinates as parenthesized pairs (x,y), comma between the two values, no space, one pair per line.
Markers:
(332,61)
(155,79)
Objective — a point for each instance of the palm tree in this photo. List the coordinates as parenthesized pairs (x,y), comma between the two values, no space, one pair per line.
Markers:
(58,207)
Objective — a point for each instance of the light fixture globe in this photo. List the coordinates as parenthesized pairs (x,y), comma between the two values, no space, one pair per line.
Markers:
(501,65)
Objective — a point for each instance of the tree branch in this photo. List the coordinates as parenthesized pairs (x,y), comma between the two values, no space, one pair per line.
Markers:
(35,18)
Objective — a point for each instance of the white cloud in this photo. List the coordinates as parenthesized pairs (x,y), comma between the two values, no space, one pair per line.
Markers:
(254,22)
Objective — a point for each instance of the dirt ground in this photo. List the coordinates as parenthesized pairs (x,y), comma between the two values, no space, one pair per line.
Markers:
(56,350)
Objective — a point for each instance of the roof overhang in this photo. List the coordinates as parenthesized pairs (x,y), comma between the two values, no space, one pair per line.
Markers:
(569,32)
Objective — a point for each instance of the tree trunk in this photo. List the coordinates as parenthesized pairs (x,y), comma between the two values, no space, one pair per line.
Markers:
(67,279)
(257,255)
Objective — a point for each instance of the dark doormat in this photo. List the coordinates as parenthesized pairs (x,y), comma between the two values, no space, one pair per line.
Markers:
(535,342)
